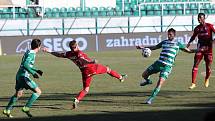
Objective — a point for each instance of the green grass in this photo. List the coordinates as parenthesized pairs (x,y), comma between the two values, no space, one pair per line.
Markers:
(109,99)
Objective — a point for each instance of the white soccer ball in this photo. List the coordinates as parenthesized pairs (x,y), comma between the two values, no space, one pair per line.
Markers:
(146,52)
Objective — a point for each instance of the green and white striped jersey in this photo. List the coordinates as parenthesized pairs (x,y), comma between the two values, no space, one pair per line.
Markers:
(169,51)
(27,64)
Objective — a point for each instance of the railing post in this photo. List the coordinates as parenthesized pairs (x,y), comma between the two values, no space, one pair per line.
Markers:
(63,26)
(28,27)
(192,22)
(128,24)
(96,25)
(161,23)
(28,2)
(82,4)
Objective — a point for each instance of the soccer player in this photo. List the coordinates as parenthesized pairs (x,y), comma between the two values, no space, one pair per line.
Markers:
(87,66)
(170,48)
(205,44)
(24,81)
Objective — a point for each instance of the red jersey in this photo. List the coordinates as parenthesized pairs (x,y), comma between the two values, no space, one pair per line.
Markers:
(204,33)
(79,58)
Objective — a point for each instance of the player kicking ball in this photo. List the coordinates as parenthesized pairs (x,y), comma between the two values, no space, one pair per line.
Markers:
(170,48)
(87,66)
(24,81)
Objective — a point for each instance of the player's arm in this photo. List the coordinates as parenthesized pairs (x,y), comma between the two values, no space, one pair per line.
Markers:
(151,47)
(26,64)
(56,54)
(212,28)
(187,50)
(89,61)
(195,33)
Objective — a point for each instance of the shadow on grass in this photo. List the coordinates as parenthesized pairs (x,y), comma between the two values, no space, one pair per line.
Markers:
(69,96)
(201,112)
(175,115)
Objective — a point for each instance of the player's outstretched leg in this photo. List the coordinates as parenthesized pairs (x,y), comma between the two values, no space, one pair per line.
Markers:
(208,69)
(12,102)
(153,95)
(145,82)
(31,100)
(122,78)
(113,73)
(7,113)
(197,59)
(75,103)
(26,110)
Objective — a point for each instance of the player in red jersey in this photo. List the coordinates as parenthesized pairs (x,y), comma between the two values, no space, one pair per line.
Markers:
(205,44)
(87,66)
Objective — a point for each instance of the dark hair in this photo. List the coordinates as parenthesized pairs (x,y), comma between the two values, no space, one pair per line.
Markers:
(72,44)
(35,43)
(201,14)
(172,30)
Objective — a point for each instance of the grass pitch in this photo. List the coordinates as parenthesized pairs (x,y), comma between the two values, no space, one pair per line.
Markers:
(108,99)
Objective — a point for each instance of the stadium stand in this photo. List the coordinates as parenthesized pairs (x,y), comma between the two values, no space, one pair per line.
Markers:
(123,8)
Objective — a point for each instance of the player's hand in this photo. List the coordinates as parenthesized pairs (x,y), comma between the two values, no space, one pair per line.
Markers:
(95,61)
(139,47)
(40,72)
(188,45)
(44,49)
(36,76)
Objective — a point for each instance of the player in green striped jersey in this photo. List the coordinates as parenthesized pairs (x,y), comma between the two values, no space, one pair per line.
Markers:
(170,49)
(23,80)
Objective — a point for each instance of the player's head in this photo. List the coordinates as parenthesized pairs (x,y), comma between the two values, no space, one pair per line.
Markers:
(171,34)
(73,45)
(36,44)
(201,18)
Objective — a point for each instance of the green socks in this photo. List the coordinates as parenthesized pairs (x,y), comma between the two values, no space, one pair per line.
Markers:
(11,103)
(31,100)
(154,93)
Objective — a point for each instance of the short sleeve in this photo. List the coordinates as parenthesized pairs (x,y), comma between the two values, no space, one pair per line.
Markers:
(181,46)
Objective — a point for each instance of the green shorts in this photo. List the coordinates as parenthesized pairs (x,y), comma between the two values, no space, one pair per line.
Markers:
(157,66)
(24,82)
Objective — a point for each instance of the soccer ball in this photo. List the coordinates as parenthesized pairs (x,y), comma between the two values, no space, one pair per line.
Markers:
(146,52)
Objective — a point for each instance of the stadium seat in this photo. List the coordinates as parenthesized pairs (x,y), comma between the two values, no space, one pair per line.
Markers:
(155,1)
(110,11)
(95,11)
(187,12)
(38,9)
(55,12)
(148,1)
(63,12)
(127,10)
(141,1)
(79,12)
(149,7)
(48,13)
(134,2)
(71,12)
(143,13)
(102,11)
(7,13)
(87,12)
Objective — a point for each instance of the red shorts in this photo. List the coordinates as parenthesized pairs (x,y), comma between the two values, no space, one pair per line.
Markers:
(208,56)
(89,71)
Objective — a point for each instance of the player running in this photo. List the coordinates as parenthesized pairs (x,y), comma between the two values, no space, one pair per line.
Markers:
(164,64)
(87,66)
(205,44)
(23,80)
